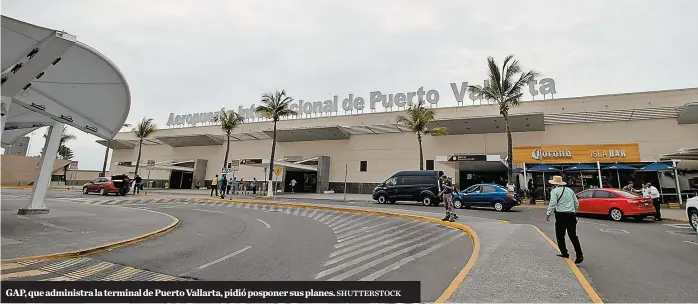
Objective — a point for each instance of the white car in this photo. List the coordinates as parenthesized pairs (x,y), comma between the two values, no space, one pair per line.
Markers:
(692,212)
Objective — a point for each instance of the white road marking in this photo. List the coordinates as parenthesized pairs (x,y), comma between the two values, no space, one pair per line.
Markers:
(327,216)
(313,213)
(305,211)
(380,253)
(352,235)
(600,224)
(333,219)
(204,210)
(238,205)
(256,207)
(359,224)
(288,210)
(340,228)
(296,212)
(319,215)
(344,220)
(358,251)
(265,223)
(247,206)
(229,205)
(371,240)
(264,207)
(681,226)
(694,243)
(218,260)
(408,259)
(615,231)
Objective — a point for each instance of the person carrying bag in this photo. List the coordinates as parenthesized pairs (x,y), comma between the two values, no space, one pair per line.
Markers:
(564,203)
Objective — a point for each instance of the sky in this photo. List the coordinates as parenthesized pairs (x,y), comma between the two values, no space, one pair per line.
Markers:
(186,56)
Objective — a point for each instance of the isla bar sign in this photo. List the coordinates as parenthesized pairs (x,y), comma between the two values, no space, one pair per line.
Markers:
(355,103)
(577,153)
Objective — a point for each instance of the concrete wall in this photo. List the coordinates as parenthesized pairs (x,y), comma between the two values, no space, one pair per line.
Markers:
(19,170)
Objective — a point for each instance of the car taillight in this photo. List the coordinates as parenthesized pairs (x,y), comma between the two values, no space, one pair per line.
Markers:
(633,201)
(511,195)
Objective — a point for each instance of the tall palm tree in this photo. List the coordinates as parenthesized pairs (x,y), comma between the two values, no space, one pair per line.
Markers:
(144,129)
(417,120)
(274,106)
(506,91)
(229,122)
(106,154)
(63,151)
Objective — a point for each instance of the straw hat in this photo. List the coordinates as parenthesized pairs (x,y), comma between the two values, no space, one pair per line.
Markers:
(557,180)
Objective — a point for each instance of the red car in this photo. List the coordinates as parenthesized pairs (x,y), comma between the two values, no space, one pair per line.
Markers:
(616,203)
(105,185)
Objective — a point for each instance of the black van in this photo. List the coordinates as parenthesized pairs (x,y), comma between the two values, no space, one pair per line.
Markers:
(416,186)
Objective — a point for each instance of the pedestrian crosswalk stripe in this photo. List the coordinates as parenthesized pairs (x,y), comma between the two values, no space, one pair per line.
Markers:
(305,212)
(229,205)
(356,251)
(384,258)
(256,206)
(343,220)
(346,242)
(9,266)
(332,219)
(319,215)
(312,213)
(361,222)
(85,272)
(247,206)
(327,216)
(288,210)
(350,222)
(264,207)
(122,275)
(297,211)
(238,205)
(61,278)
(381,272)
(22,274)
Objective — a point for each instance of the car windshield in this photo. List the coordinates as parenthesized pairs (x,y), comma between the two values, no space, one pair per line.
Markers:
(628,194)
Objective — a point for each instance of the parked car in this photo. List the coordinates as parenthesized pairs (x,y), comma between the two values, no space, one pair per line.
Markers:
(692,212)
(616,203)
(486,195)
(414,186)
(118,184)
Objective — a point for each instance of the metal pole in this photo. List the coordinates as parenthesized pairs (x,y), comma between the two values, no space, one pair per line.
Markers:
(659,184)
(678,186)
(581,176)
(598,168)
(618,175)
(346,170)
(146,188)
(525,177)
(544,194)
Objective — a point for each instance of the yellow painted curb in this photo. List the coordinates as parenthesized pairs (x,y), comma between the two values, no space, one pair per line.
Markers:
(675,220)
(577,273)
(455,283)
(504,222)
(105,247)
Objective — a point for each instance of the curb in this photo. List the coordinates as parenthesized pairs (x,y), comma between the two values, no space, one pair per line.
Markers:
(455,283)
(591,292)
(105,247)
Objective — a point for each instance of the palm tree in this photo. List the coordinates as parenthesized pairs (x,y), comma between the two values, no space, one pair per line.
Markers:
(229,122)
(63,151)
(144,129)
(274,106)
(106,154)
(506,91)
(417,120)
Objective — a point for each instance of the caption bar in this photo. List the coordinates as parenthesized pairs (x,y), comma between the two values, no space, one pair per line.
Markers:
(210,292)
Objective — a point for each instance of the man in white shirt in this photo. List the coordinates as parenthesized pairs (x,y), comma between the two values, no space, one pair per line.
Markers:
(652,192)
(293,185)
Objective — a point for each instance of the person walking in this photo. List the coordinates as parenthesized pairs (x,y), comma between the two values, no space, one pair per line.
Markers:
(653,193)
(137,184)
(234,185)
(214,185)
(446,195)
(224,186)
(564,203)
(253,184)
(293,185)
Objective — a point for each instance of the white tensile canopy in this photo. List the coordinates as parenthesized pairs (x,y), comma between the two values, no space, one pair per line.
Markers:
(51,79)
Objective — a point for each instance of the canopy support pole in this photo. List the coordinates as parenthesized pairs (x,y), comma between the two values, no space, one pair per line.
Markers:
(525,177)
(598,168)
(48,158)
(6,102)
(618,175)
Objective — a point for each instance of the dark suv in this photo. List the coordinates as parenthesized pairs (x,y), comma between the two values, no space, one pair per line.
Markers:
(415,186)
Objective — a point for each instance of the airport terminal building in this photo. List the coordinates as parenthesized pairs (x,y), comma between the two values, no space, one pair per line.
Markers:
(364,149)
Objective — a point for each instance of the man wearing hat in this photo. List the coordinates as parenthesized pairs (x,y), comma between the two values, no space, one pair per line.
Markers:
(564,203)
(447,196)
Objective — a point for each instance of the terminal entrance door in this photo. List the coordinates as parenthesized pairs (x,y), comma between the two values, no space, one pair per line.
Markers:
(306,181)
(181,179)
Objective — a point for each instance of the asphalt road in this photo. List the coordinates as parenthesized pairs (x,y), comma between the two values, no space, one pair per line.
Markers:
(624,261)
(222,241)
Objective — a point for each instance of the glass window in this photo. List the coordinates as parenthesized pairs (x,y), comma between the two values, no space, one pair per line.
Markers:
(488,189)
(430,164)
(363,166)
(584,194)
(628,194)
(391,181)
(472,189)
(604,194)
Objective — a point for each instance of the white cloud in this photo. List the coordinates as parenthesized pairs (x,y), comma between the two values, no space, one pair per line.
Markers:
(186,55)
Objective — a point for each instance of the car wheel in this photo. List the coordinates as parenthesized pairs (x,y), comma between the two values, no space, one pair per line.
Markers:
(457,204)
(382,199)
(427,201)
(85,191)
(498,206)
(616,214)
(103,191)
(693,219)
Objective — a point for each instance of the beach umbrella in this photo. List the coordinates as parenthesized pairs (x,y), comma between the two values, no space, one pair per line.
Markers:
(580,168)
(619,167)
(517,171)
(658,167)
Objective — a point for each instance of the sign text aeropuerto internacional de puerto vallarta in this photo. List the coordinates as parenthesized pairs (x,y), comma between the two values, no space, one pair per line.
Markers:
(353,102)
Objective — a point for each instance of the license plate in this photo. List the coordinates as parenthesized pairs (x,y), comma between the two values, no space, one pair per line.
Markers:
(647,204)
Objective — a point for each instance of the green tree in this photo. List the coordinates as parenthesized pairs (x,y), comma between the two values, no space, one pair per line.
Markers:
(64,151)
(229,122)
(274,106)
(506,91)
(417,120)
(142,130)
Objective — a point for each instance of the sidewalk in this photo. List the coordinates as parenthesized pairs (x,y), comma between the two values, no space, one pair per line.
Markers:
(72,227)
